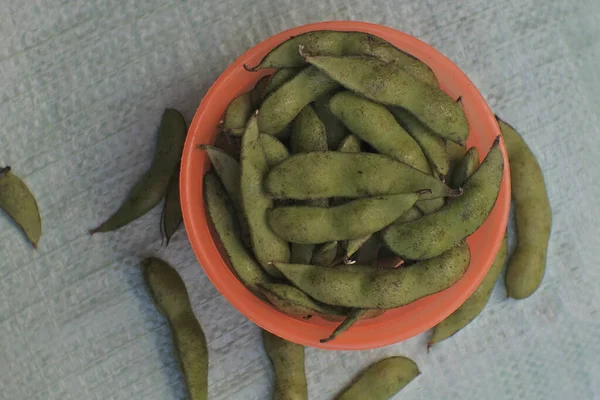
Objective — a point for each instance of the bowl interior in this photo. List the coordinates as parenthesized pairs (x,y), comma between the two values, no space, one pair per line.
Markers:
(397,324)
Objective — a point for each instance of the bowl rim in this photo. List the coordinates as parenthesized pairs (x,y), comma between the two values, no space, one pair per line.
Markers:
(267,317)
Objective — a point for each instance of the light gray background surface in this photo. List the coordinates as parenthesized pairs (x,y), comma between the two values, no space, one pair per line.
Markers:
(82,86)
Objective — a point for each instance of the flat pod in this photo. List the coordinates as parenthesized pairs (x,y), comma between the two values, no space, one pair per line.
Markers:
(171,298)
(282,106)
(287,359)
(362,286)
(267,246)
(475,304)
(17,201)
(352,220)
(171,217)
(337,174)
(382,380)
(275,151)
(432,145)
(222,216)
(465,168)
(374,124)
(533,215)
(387,84)
(344,43)
(153,185)
(435,233)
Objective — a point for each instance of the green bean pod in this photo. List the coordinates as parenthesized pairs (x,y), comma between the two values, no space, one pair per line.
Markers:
(432,145)
(308,132)
(344,44)
(337,174)
(171,217)
(352,220)
(275,151)
(336,131)
(354,315)
(237,114)
(224,221)
(350,144)
(301,253)
(362,286)
(466,168)
(228,170)
(435,233)
(325,255)
(282,106)
(371,244)
(287,359)
(456,152)
(385,83)
(374,124)
(258,93)
(382,380)
(279,78)
(153,185)
(367,255)
(17,201)
(267,245)
(293,301)
(171,299)
(533,215)
(475,304)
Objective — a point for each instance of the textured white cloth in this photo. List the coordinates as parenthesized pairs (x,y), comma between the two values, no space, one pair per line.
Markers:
(82,87)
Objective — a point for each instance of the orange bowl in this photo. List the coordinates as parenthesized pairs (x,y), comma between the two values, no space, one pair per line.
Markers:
(394,325)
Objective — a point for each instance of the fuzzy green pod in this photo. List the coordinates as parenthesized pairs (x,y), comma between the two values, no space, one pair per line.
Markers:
(171,299)
(17,201)
(336,131)
(336,174)
(382,380)
(171,217)
(293,301)
(344,44)
(275,151)
(267,246)
(362,286)
(237,114)
(350,144)
(435,233)
(475,304)
(374,124)
(385,83)
(282,106)
(533,215)
(432,145)
(153,185)
(222,216)
(465,168)
(287,359)
(352,220)
(308,132)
